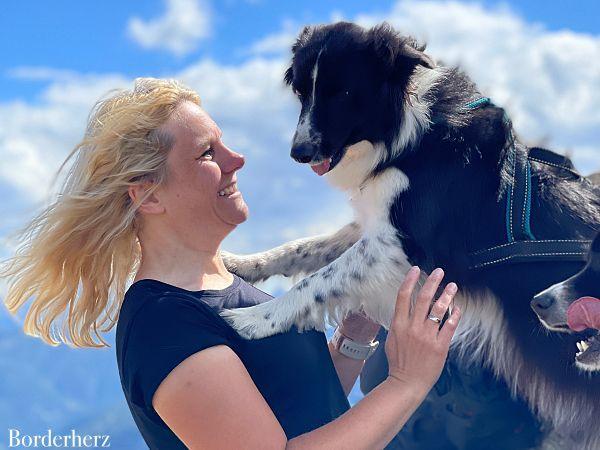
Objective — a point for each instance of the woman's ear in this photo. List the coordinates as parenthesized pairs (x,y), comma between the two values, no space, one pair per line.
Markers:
(148,204)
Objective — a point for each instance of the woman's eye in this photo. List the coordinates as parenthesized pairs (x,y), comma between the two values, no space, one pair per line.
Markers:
(297,93)
(208,153)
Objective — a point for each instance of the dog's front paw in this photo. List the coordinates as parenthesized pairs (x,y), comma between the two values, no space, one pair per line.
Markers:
(232,262)
(248,267)
(253,322)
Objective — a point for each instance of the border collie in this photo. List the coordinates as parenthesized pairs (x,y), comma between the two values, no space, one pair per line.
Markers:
(436,178)
(574,304)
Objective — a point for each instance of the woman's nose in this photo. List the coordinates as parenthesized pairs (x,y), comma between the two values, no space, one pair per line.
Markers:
(232,161)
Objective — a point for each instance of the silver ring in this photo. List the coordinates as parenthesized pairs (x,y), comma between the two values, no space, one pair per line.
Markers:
(434,318)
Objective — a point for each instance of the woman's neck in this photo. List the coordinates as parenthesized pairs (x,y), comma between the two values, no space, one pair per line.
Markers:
(181,265)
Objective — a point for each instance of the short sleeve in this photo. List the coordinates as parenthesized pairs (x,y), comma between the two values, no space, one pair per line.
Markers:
(163,333)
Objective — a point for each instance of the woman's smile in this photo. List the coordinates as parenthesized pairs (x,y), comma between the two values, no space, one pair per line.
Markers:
(230,191)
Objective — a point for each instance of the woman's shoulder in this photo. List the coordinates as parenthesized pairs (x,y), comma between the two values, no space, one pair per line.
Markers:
(158,328)
(151,307)
(154,297)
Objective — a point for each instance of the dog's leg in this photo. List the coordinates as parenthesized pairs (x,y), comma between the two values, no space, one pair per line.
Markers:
(301,256)
(367,274)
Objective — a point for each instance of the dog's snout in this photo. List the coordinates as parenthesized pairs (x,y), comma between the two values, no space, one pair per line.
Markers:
(542,302)
(303,152)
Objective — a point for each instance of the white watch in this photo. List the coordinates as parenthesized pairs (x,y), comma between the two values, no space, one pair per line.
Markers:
(350,348)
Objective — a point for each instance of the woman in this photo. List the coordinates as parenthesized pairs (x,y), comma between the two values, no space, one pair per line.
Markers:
(152,194)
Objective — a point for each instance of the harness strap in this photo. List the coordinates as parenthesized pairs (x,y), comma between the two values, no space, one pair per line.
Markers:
(529,251)
(549,158)
(521,245)
(518,198)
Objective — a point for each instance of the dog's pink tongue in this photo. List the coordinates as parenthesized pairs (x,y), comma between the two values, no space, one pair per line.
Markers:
(322,168)
(584,313)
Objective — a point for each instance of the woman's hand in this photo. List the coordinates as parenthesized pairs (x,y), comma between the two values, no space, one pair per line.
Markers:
(416,346)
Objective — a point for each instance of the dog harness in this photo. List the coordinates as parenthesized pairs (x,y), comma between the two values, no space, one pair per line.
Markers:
(521,245)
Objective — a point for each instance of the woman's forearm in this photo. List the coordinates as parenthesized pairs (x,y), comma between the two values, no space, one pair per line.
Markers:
(361,330)
(347,369)
(371,423)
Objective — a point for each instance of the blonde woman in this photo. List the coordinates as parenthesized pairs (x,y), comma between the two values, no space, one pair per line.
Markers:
(150,196)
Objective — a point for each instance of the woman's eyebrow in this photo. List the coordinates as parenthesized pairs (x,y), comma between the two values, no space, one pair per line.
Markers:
(203,142)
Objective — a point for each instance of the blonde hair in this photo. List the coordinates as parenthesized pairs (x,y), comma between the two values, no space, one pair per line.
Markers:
(79,253)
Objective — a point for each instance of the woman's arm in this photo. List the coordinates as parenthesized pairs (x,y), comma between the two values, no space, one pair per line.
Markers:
(362,331)
(210,401)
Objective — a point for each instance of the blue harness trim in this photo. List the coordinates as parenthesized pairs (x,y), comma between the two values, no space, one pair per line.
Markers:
(521,244)
(483,101)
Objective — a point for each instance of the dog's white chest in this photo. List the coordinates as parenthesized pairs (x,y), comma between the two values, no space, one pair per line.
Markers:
(372,201)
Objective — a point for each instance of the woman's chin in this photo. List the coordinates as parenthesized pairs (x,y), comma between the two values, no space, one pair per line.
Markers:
(235,215)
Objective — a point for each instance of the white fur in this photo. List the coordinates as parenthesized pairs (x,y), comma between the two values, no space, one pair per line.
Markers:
(356,165)
(368,274)
(299,257)
(416,117)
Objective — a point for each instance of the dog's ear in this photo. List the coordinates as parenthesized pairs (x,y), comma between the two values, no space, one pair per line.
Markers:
(301,41)
(398,54)
(303,38)
(416,57)
(288,77)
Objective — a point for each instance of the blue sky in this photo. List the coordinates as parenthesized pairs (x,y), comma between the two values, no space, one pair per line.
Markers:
(92,37)
(538,59)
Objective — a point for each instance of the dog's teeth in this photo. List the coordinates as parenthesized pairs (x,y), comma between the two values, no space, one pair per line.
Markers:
(579,346)
(584,345)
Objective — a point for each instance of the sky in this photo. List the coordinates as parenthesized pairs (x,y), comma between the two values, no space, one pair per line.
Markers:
(538,59)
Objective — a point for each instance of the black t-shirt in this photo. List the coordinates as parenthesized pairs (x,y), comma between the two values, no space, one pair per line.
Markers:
(161,325)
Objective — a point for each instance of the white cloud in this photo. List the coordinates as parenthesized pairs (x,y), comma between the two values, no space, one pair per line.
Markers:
(36,137)
(184,24)
(26,73)
(278,43)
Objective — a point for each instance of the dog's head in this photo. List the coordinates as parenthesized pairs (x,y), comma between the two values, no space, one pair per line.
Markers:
(348,80)
(573,305)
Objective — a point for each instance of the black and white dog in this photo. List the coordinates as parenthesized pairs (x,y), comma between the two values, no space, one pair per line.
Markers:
(575,304)
(436,178)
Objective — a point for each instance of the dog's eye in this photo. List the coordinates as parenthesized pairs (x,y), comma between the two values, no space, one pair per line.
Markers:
(297,93)
(346,93)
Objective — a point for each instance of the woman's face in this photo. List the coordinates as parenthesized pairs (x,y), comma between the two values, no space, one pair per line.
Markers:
(200,193)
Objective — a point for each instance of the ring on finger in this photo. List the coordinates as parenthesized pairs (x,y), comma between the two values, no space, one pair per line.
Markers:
(434,318)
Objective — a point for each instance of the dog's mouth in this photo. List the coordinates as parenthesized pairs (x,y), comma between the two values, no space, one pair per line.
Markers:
(560,327)
(588,354)
(327,165)
(583,314)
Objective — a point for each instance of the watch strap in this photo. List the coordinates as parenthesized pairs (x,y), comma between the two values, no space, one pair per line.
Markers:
(352,349)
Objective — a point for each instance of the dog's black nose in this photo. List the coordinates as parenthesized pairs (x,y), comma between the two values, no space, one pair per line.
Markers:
(304,152)
(542,302)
